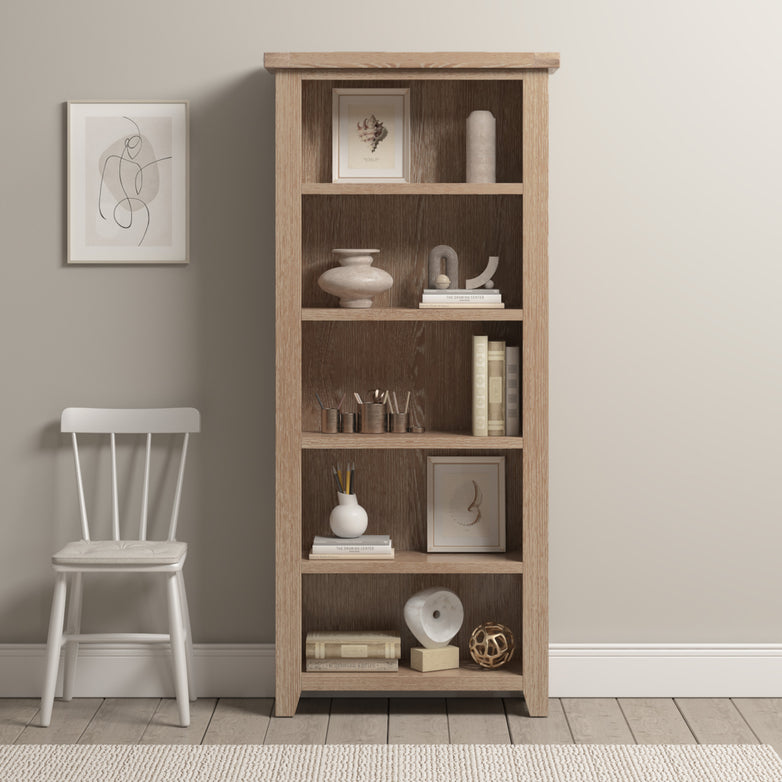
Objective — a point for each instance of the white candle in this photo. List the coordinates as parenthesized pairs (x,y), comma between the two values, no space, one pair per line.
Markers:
(481,147)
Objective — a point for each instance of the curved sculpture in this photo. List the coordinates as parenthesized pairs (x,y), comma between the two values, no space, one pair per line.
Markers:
(434,616)
(436,257)
(484,278)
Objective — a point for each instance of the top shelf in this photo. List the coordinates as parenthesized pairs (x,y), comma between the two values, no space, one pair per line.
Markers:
(273,61)
(411,188)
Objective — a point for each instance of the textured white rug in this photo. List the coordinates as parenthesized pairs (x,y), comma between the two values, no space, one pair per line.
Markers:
(399,763)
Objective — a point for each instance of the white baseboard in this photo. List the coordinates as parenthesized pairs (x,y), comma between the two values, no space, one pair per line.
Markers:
(221,670)
(577,671)
(665,670)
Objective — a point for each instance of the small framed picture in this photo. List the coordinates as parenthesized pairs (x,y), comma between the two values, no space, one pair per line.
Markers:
(371,135)
(465,503)
(127,182)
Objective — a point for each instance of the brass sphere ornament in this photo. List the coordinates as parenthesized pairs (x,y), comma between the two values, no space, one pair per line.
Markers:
(492,645)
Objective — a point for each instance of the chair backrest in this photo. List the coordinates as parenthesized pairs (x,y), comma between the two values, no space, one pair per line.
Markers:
(169,420)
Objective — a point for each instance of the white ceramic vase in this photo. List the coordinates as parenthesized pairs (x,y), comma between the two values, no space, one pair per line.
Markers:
(355,281)
(348,519)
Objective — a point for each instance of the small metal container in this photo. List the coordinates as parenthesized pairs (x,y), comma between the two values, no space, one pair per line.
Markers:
(398,423)
(372,418)
(329,420)
(348,423)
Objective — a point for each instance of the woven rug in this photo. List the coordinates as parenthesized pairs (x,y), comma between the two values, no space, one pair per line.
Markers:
(394,763)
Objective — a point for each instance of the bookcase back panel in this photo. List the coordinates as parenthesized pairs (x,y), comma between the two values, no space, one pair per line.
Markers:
(432,359)
(438,116)
(391,486)
(405,229)
(376,602)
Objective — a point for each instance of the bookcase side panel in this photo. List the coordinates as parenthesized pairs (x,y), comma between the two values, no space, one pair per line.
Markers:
(288,393)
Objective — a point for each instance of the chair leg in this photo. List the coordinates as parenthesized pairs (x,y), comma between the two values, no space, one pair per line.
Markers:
(188,635)
(73,626)
(177,632)
(54,645)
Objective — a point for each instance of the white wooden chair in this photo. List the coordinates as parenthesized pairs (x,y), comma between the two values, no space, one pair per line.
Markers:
(122,555)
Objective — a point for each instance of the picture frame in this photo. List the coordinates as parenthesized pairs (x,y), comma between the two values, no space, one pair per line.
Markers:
(370,134)
(465,503)
(128,169)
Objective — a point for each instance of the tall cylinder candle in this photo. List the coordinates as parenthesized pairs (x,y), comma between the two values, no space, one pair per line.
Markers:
(481,147)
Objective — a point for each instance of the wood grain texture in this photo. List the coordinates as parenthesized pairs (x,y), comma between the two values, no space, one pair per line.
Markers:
(405,229)
(596,721)
(513,60)
(655,721)
(239,721)
(477,721)
(391,486)
(358,721)
(428,441)
(69,720)
(438,114)
(308,725)
(417,721)
(715,721)
(764,717)
(288,391)
(530,730)
(164,727)
(120,721)
(419,562)
(411,188)
(412,313)
(534,392)
(15,715)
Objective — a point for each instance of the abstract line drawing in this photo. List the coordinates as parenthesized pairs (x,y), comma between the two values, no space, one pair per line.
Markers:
(128,182)
(475,506)
(126,178)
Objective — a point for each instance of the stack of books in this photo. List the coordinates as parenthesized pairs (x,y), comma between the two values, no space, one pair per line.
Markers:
(363,547)
(483,298)
(355,652)
(496,390)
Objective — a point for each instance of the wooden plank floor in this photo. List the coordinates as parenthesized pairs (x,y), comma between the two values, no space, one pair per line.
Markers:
(399,721)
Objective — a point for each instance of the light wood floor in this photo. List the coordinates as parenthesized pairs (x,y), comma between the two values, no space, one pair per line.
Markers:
(399,721)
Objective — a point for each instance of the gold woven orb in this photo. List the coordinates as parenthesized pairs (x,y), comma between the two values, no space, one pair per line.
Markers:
(492,645)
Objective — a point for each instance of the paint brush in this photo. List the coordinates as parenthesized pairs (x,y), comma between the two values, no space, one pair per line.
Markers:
(322,407)
(407,402)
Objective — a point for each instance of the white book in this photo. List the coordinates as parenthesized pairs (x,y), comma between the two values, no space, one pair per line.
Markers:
(462,292)
(389,554)
(512,391)
(361,540)
(457,298)
(480,410)
(486,305)
(496,375)
(352,549)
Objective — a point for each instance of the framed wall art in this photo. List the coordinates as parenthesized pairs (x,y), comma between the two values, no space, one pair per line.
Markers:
(128,182)
(371,135)
(465,503)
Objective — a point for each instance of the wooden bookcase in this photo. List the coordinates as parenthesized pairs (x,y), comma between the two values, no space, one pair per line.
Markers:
(396,345)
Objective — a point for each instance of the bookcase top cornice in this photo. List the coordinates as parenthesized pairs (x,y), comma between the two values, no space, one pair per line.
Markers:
(273,61)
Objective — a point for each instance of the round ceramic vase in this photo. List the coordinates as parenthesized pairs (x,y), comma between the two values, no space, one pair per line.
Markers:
(355,281)
(348,519)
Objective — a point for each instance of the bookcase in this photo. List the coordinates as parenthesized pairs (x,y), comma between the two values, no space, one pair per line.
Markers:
(394,344)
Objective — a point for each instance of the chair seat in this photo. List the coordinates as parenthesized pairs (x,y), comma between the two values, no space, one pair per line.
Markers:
(121,552)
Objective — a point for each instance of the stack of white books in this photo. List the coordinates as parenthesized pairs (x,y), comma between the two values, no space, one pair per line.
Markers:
(484,298)
(362,547)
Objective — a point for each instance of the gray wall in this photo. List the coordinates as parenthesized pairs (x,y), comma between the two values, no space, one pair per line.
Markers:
(665,307)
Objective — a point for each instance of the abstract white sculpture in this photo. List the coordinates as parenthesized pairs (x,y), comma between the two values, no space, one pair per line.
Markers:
(434,616)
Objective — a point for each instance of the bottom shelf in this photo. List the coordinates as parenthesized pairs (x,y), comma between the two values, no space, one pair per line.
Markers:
(468,677)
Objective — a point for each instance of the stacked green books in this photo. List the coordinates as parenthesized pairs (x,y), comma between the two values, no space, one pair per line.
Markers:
(353,652)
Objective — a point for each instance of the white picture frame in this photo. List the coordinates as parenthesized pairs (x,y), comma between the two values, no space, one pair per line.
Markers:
(465,503)
(370,135)
(128,166)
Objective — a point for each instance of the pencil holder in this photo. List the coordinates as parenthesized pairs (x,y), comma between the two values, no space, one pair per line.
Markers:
(398,423)
(348,423)
(329,420)
(372,418)
(348,519)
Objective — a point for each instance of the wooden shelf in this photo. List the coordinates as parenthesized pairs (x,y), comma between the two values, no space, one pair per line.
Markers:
(411,313)
(438,440)
(421,562)
(411,188)
(469,677)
